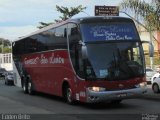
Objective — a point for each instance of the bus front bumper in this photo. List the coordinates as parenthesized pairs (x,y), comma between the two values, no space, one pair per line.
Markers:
(93,96)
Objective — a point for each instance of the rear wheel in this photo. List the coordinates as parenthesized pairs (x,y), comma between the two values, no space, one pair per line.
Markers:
(30,88)
(155,88)
(6,82)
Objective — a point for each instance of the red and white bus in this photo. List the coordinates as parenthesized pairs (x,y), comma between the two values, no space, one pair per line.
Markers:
(91,59)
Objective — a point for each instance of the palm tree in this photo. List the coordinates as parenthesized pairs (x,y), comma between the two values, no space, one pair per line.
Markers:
(148,12)
(43,24)
(66,14)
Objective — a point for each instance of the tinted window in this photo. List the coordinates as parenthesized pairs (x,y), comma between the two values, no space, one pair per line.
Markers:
(57,38)
(75,49)
(39,42)
(114,61)
(18,47)
(73,33)
(30,45)
(73,39)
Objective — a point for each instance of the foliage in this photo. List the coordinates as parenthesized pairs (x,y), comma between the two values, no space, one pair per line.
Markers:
(146,11)
(156,59)
(66,14)
(6,45)
(43,24)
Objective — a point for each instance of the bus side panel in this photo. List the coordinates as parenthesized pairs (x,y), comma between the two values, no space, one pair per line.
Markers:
(47,70)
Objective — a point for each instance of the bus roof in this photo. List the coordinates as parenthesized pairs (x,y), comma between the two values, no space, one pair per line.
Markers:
(79,20)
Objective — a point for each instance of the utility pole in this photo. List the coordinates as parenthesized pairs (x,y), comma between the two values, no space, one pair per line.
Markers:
(2,55)
(151,42)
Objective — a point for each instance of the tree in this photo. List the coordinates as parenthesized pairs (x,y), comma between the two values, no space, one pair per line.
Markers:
(149,13)
(5,45)
(66,14)
(43,24)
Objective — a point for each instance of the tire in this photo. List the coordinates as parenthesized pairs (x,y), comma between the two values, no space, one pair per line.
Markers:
(30,88)
(155,88)
(68,95)
(6,82)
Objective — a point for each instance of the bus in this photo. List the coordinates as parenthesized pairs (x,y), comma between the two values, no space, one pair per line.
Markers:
(88,59)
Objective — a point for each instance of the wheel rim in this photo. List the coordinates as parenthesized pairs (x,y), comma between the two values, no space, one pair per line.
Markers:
(29,87)
(69,95)
(24,88)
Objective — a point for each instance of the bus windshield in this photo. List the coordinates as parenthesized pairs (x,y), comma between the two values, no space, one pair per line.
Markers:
(114,61)
(108,31)
(114,51)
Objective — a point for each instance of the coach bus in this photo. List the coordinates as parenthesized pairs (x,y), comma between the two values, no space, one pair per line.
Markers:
(90,59)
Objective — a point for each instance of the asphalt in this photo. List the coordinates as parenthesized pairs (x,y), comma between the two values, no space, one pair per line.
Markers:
(150,94)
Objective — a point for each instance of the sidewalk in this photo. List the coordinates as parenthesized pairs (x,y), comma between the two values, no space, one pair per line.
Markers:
(151,95)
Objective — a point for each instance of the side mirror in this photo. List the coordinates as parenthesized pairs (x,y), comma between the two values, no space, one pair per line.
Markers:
(151,49)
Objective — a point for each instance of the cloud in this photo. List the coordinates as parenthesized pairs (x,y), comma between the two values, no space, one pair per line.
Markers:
(20,17)
(14,32)
(31,12)
(26,11)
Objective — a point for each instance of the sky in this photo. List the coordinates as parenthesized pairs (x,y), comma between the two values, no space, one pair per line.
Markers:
(21,17)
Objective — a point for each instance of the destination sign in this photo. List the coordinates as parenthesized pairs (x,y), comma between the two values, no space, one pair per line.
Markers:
(106,11)
(111,31)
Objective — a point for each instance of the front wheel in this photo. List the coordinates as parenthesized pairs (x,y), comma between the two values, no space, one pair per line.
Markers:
(68,95)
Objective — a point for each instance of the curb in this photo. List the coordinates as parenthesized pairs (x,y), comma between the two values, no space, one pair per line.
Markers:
(153,96)
(150,95)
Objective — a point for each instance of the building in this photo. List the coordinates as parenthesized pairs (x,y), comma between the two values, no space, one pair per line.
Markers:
(6,61)
(155,38)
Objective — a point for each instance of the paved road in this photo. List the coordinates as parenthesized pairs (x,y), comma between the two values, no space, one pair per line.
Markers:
(14,101)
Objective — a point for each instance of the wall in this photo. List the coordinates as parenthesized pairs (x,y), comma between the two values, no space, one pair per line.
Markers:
(6,61)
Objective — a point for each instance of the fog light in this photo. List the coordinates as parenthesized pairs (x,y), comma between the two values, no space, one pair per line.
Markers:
(97,89)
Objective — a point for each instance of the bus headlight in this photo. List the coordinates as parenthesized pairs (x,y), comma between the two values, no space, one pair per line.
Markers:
(97,89)
(142,85)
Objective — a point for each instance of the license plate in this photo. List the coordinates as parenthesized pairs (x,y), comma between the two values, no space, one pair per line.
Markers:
(122,95)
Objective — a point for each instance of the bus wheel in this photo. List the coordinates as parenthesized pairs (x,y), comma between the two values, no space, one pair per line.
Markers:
(30,88)
(68,95)
(25,86)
